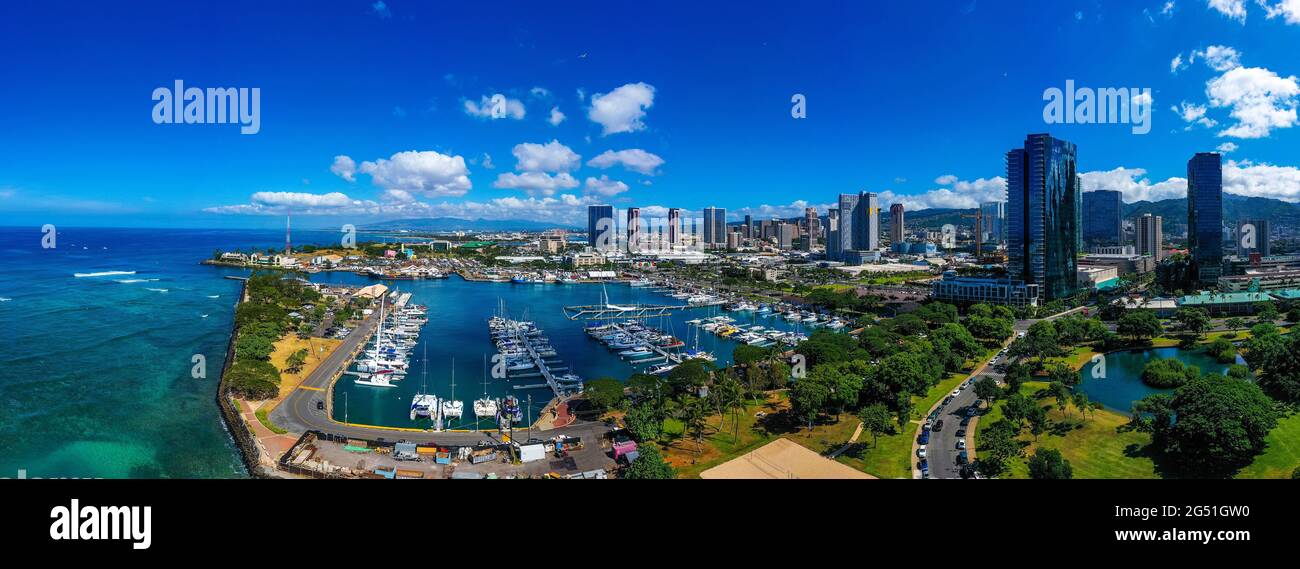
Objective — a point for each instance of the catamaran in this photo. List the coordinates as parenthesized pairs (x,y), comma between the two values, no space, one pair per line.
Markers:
(451,408)
(424,404)
(485,407)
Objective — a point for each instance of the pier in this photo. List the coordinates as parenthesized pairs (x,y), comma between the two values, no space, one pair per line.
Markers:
(663,353)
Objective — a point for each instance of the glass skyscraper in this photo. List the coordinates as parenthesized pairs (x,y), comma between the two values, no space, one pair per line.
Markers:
(595,213)
(715,226)
(1102,218)
(994,218)
(848,206)
(1044,203)
(1205,216)
(867,225)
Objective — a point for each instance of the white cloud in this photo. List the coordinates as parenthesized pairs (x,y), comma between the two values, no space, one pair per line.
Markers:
(1262,180)
(622,109)
(766,211)
(381,9)
(540,92)
(422,172)
(536,182)
(1235,9)
(1133,184)
(550,157)
(963,194)
(1168,9)
(1218,57)
(487,161)
(633,159)
(604,186)
(557,117)
(1176,64)
(1193,114)
(299,203)
(1259,100)
(1227,147)
(344,167)
(495,106)
(1289,10)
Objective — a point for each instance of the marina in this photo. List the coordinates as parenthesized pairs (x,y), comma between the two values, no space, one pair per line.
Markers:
(458,312)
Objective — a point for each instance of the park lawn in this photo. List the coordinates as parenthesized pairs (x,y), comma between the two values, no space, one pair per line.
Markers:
(317,350)
(1095,448)
(1282,456)
(719,446)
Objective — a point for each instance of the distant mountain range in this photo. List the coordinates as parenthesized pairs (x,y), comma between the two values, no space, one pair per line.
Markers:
(458,224)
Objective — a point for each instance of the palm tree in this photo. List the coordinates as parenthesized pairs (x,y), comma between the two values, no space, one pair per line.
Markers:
(1081,401)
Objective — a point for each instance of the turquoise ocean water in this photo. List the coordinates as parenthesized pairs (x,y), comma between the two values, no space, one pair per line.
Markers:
(95,370)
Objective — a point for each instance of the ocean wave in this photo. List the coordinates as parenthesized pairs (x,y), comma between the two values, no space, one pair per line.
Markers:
(157,289)
(3,299)
(131,281)
(102,274)
(214,296)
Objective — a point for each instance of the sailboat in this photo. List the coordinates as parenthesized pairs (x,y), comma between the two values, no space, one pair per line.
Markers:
(485,407)
(424,404)
(451,408)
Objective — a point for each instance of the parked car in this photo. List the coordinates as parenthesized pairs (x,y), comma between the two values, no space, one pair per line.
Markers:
(961,432)
(962,458)
(938,426)
(956,392)
(924,438)
(961,444)
(920,452)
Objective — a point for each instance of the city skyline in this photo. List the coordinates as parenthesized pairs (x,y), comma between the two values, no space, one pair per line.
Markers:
(429,145)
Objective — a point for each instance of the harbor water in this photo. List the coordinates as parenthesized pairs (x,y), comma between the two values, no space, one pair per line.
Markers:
(97,373)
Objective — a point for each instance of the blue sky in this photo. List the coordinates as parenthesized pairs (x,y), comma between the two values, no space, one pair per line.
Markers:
(918,102)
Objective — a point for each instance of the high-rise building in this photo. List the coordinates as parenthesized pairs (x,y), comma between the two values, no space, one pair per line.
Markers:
(785,235)
(811,223)
(674,226)
(1043,214)
(1150,240)
(633,229)
(833,252)
(748,231)
(896,223)
(715,227)
(867,225)
(1205,216)
(994,217)
(848,206)
(1252,237)
(1102,218)
(595,213)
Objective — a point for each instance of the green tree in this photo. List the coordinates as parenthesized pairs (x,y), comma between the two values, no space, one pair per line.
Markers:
(604,392)
(1221,424)
(997,447)
(1047,464)
(649,465)
(644,422)
(877,420)
(1140,325)
(986,388)
(808,400)
(1280,375)
(1166,373)
(1194,320)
